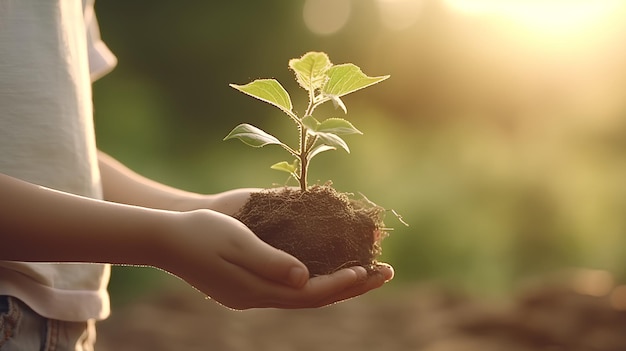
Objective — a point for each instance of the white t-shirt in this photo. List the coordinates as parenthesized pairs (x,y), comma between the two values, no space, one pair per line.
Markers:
(49,53)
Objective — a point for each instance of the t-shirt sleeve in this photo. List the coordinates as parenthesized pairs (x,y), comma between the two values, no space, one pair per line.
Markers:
(101,59)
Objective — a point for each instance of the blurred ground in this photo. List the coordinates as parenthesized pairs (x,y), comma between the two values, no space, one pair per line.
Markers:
(574,315)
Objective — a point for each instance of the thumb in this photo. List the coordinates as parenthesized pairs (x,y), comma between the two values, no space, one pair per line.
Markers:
(272,264)
(284,268)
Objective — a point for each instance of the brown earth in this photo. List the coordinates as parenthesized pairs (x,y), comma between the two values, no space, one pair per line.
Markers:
(549,316)
(325,229)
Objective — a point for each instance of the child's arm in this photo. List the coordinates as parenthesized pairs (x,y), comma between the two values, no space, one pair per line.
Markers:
(211,251)
(122,185)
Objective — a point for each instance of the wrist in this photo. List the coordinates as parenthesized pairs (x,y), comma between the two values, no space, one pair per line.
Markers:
(192,201)
(156,242)
(231,201)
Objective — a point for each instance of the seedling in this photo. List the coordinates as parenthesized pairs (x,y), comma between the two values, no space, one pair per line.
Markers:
(323,82)
(323,228)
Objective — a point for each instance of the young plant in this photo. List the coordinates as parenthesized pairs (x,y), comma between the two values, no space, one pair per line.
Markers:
(323,82)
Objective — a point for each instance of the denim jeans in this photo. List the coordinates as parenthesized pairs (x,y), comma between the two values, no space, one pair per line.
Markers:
(21,329)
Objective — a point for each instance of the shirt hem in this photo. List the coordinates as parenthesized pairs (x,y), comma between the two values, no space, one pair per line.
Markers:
(77,305)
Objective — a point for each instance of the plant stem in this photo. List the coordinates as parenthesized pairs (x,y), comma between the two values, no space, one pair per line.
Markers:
(304,162)
(305,148)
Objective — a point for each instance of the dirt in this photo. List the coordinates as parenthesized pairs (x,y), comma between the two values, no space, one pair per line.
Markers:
(325,229)
(546,317)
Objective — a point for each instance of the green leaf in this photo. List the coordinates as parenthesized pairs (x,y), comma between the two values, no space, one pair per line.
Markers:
(337,126)
(318,149)
(347,78)
(268,90)
(252,136)
(286,167)
(333,140)
(311,69)
(311,123)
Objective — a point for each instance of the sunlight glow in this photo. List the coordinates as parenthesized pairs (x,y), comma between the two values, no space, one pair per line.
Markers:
(400,14)
(326,17)
(546,16)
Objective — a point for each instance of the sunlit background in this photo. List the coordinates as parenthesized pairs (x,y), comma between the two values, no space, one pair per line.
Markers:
(500,137)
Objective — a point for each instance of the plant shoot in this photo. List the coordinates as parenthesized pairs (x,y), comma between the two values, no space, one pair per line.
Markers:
(323,82)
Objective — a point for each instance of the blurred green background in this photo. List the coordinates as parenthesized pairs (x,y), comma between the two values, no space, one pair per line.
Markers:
(500,137)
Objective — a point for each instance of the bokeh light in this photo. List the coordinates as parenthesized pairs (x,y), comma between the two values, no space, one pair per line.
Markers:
(400,14)
(547,17)
(325,17)
(593,282)
(618,298)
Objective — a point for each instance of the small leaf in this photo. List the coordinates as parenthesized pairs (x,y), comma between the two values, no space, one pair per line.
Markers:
(311,69)
(333,140)
(318,149)
(310,122)
(252,136)
(268,90)
(337,102)
(347,78)
(399,217)
(337,126)
(286,167)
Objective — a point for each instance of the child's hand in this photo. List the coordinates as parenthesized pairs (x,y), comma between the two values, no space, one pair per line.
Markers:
(221,257)
(211,251)
(227,202)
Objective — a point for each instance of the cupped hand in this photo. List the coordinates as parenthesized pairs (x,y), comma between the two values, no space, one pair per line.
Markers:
(222,258)
(339,286)
(227,202)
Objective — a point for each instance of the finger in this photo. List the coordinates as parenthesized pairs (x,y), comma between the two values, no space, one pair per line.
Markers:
(318,290)
(247,290)
(365,281)
(386,270)
(372,280)
(267,262)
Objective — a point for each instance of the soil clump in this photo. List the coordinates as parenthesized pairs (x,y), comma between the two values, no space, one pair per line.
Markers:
(325,229)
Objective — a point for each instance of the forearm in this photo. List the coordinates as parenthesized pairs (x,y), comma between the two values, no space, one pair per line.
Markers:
(213,252)
(39,224)
(122,185)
